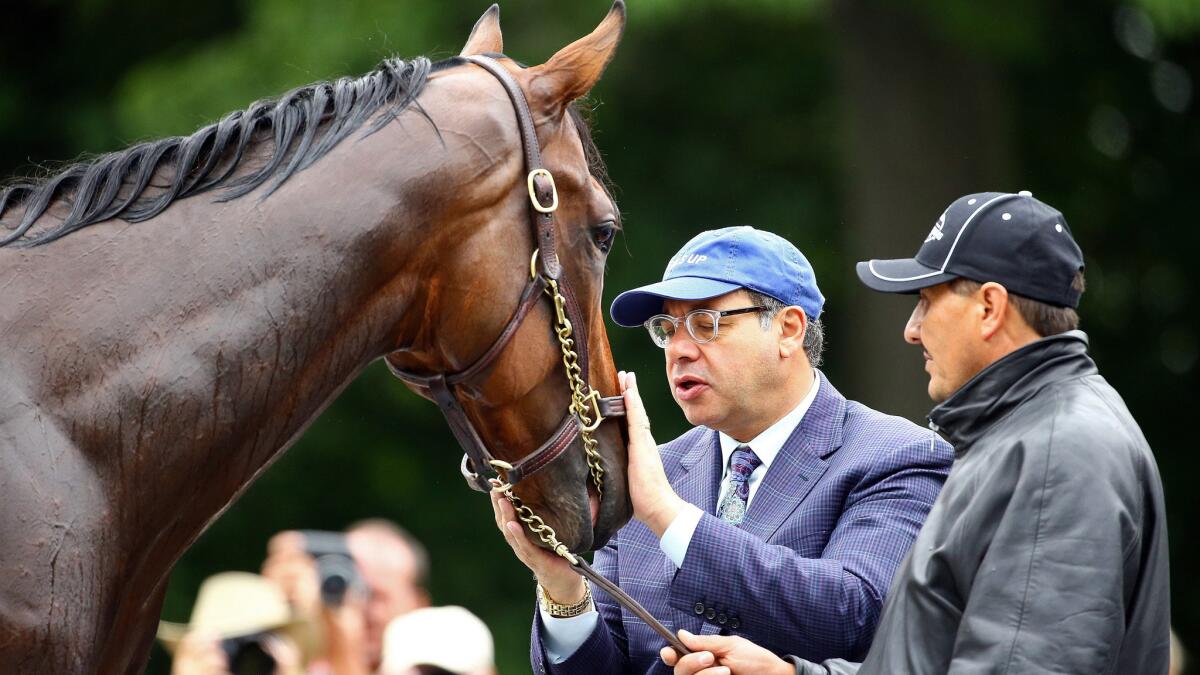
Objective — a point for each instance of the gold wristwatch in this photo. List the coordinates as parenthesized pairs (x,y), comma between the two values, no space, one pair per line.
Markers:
(561,611)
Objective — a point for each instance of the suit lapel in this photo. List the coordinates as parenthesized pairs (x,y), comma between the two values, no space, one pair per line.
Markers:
(700,481)
(799,464)
(697,483)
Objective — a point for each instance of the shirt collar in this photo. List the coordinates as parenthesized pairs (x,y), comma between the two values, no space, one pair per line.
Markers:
(767,444)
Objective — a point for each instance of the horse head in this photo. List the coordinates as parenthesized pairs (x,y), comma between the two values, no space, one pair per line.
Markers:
(484,336)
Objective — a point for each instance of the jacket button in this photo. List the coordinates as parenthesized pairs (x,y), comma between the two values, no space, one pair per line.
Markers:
(722,619)
(711,613)
(734,623)
(698,608)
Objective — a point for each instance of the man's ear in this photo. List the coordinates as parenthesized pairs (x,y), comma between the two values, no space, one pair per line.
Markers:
(485,36)
(576,68)
(993,306)
(792,322)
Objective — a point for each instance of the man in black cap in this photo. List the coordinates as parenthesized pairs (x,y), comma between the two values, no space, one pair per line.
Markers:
(1047,549)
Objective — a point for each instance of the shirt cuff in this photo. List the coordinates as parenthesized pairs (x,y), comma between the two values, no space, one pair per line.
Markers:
(565,635)
(678,535)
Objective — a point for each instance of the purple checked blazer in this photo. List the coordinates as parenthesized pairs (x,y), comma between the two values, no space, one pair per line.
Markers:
(806,572)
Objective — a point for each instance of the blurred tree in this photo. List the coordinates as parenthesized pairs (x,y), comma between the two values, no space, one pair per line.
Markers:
(925,119)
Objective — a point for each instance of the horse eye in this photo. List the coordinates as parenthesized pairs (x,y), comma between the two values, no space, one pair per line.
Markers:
(603,236)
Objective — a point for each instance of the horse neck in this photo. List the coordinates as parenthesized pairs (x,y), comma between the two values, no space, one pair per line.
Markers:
(152,370)
(200,344)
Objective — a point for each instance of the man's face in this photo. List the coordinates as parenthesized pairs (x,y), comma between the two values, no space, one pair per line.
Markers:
(389,571)
(724,384)
(946,325)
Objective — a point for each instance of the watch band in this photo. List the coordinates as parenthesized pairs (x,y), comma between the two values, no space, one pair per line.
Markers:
(561,611)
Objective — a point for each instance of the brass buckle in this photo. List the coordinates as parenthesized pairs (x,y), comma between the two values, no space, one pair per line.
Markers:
(533,195)
(593,397)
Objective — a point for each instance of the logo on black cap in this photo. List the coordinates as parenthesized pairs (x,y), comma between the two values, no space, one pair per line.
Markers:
(936,233)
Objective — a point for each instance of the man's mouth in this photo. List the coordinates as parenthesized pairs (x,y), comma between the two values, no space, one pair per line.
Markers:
(688,387)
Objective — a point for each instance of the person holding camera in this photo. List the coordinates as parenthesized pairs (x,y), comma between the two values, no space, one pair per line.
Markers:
(241,624)
(351,584)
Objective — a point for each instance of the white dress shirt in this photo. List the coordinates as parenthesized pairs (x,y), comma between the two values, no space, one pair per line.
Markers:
(563,636)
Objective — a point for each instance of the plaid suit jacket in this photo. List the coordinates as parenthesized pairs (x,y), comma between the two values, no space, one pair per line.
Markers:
(806,572)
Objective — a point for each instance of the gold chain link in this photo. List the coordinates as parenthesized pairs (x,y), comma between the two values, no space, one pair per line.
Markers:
(584,400)
(535,523)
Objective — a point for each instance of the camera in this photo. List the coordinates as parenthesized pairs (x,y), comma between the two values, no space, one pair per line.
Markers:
(336,572)
(247,655)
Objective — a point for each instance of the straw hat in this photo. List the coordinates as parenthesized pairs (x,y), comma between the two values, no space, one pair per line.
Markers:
(231,604)
(450,638)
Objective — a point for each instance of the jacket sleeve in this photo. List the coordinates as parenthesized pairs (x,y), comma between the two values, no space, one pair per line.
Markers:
(831,667)
(1048,594)
(816,608)
(605,652)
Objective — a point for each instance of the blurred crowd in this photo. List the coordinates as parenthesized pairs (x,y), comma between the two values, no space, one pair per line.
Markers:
(329,603)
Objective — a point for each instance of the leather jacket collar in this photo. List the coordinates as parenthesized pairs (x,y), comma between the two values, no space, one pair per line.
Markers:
(1007,383)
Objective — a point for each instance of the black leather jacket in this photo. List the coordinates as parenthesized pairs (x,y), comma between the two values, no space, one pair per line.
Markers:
(1047,548)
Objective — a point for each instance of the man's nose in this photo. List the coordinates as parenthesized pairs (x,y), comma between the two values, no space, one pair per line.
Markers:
(681,347)
(912,329)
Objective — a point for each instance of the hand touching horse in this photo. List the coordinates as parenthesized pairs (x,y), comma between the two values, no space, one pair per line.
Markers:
(174,315)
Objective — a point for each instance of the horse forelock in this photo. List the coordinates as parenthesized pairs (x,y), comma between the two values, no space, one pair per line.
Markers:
(303,124)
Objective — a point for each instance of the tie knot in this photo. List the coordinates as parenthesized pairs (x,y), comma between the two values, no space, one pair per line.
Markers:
(743,463)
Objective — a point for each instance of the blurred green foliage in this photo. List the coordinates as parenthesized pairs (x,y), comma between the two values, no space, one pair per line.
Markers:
(1174,17)
(714,112)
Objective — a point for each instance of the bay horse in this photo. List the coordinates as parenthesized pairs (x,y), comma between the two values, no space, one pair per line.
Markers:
(174,315)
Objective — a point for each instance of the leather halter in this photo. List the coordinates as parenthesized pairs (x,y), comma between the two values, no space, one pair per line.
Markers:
(440,387)
(542,192)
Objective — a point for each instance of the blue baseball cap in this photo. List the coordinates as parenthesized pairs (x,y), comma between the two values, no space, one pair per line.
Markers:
(717,262)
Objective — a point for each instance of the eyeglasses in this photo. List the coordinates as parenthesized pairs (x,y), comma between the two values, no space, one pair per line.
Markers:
(701,324)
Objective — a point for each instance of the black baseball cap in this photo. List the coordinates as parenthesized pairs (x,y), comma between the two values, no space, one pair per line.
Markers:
(1012,239)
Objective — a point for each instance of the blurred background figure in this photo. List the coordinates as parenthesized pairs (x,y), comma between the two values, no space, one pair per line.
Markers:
(241,624)
(351,584)
(395,568)
(1178,655)
(438,641)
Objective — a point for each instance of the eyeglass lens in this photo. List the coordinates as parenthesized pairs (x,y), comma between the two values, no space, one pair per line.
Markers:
(701,324)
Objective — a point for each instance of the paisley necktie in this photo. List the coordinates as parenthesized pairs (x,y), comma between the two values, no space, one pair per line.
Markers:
(741,465)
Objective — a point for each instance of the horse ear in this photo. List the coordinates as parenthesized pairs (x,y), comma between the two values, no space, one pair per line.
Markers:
(576,68)
(485,36)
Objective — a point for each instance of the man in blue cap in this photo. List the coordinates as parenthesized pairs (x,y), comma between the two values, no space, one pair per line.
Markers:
(786,506)
(1047,550)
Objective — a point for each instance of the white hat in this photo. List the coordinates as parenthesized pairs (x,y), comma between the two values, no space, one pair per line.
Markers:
(450,638)
(231,604)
